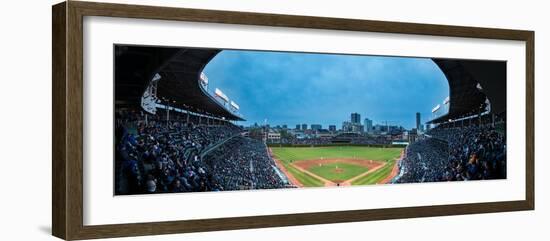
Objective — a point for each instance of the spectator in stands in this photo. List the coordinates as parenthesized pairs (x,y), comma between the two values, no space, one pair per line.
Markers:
(454,154)
(158,156)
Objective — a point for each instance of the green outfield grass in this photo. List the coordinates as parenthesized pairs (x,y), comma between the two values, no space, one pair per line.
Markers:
(376,176)
(360,152)
(304,178)
(347,171)
(288,155)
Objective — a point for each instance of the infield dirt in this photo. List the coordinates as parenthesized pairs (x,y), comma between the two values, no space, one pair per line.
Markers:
(305,165)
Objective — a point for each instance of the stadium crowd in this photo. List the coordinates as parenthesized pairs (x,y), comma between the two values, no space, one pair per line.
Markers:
(424,161)
(456,154)
(378,140)
(243,163)
(157,156)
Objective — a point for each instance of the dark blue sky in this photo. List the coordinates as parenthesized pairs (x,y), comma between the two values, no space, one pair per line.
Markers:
(294,88)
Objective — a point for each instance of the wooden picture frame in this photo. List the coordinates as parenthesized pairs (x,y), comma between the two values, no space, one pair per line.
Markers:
(67,124)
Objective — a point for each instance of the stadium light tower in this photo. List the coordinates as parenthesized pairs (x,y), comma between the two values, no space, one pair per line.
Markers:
(222,96)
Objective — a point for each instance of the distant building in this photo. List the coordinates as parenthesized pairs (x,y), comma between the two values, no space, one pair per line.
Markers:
(323,133)
(355,118)
(380,128)
(368,125)
(395,130)
(412,135)
(298,127)
(316,127)
(304,127)
(256,133)
(352,127)
(332,128)
(309,132)
(273,137)
(346,126)
(418,121)
(299,135)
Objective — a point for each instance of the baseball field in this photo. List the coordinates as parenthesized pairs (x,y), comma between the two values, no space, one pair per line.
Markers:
(337,165)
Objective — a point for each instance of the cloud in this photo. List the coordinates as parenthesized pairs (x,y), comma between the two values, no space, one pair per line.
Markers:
(292,88)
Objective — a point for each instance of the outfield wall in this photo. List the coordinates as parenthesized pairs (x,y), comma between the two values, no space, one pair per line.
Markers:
(333,144)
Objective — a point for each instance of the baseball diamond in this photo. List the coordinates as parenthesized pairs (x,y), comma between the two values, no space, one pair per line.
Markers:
(337,165)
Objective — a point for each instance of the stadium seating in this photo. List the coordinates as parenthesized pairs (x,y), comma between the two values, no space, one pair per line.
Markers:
(243,163)
(156,156)
(456,154)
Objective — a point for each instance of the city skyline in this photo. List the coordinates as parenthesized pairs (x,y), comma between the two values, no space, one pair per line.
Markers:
(338,126)
(284,88)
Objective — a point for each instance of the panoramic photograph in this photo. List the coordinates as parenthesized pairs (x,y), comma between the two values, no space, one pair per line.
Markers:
(203,119)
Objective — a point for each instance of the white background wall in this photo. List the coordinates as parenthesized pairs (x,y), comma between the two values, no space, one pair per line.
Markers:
(25,120)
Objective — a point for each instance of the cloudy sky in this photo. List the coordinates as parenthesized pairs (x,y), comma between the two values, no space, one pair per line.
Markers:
(294,88)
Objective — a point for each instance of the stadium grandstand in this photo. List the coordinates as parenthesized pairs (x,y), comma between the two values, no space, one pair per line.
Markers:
(468,142)
(173,134)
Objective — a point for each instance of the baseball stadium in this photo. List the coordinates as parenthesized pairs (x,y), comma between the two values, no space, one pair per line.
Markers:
(176,131)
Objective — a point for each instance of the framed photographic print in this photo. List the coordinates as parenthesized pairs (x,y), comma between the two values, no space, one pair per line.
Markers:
(171,120)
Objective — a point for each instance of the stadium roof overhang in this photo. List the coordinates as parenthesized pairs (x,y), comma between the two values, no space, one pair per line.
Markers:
(180,69)
(471,83)
(179,86)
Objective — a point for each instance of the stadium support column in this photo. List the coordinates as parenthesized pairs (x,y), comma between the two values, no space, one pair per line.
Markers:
(167,113)
(479,115)
(187,116)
